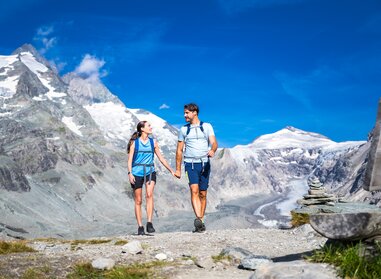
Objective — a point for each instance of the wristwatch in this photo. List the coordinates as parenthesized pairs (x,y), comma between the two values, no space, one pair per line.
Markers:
(129,172)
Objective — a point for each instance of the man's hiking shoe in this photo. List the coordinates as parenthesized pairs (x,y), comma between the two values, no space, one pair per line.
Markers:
(150,228)
(141,230)
(198,225)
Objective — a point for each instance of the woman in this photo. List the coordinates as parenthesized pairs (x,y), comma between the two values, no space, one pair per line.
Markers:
(141,150)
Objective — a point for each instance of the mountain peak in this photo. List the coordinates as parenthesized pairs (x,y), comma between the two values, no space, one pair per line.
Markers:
(290,137)
(27,48)
(31,49)
(294,130)
(291,128)
(87,91)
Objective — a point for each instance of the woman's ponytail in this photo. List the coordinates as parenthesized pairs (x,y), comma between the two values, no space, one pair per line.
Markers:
(136,134)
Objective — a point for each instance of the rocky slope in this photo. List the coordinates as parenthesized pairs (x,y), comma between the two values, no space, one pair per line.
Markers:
(62,153)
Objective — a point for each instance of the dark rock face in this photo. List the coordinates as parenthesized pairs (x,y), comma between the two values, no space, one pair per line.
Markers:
(29,85)
(373,170)
(11,176)
(33,156)
(26,146)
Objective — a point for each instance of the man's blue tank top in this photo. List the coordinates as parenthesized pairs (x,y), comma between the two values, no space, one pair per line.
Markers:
(146,157)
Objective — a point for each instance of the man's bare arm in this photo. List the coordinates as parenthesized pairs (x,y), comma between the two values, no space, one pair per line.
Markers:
(214,144)
(179,158)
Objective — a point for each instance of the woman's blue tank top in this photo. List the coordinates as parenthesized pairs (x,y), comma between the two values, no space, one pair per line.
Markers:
(143,157)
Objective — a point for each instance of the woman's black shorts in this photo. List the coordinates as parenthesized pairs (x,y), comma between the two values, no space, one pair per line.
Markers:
(139,180)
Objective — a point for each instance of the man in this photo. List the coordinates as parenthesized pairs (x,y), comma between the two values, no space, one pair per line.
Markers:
(200,144)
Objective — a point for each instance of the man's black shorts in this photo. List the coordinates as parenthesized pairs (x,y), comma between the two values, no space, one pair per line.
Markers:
(139,180)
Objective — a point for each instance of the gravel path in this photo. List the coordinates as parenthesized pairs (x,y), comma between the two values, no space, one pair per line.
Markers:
(189,254)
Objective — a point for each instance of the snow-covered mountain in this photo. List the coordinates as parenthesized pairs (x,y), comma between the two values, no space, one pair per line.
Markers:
(272,162)
(116,120)
(63,157)
(63,170)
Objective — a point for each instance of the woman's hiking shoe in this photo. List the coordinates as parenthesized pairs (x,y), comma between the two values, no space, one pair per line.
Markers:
(150,228)
(198,225)
(203,228)
(141,230)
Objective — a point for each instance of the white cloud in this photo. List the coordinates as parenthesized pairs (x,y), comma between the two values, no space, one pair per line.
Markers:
(49,43)
(90,68)
(44,37)
(164,106)
(45,30)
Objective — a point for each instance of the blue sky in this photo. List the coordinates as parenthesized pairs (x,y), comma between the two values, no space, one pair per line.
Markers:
(253,66)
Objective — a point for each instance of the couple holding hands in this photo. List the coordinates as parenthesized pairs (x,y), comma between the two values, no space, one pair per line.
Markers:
(200,144)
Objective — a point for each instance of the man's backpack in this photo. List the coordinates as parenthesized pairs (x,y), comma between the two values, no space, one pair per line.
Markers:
(189,128)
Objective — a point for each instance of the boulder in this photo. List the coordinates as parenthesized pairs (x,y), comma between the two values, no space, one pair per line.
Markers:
(103,263)
(347,226)
(294,269)
(161,257)
(236,252)
(253,262)
(133,247)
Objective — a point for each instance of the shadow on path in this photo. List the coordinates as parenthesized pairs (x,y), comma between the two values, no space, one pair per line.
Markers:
(293,257)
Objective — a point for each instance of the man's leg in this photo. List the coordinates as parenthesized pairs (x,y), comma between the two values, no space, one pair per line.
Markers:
(203,187)
(202,196)
(195,198)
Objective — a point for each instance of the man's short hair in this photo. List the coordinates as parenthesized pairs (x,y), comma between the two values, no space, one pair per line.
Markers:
(191,107)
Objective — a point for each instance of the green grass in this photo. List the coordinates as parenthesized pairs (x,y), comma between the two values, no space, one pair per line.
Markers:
(75,243)
(346,257)
(222,257)
(14,247)
(134,271)
(299,219)
(121,242)
(36,273)
(47,240)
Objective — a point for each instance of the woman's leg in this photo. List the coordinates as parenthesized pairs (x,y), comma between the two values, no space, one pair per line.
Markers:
(149,199)
(138,206)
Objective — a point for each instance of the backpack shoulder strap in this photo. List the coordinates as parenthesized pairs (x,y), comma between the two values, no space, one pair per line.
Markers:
(152,145)
(188,129)
(201,127)
(136,150)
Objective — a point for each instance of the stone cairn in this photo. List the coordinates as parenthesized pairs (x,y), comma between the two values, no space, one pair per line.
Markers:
(317,194)
(358,221)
